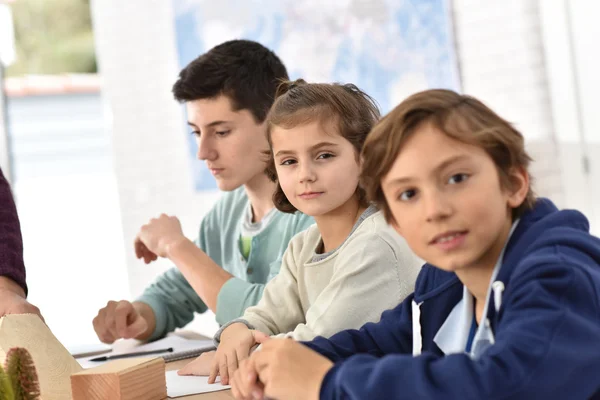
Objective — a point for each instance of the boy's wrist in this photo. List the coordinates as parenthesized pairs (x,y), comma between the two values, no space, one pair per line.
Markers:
(174,246)
(147,313)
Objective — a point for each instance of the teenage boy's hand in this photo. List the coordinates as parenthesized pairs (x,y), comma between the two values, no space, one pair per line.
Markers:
(157,236)
(285,368)
(120,320)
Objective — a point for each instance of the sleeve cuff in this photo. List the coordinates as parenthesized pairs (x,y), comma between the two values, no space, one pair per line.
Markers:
(229,304)
(17,278)
(327,390)
(160,316)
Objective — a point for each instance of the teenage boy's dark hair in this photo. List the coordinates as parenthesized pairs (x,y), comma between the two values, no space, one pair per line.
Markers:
(245,71)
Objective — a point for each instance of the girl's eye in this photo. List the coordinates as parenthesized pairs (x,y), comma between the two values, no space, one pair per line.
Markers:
(407,195)
(457,178)
(196,133)
(325,156)
(288,162)
(221,133)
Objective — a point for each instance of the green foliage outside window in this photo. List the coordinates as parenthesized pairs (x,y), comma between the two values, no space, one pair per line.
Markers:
(52,37)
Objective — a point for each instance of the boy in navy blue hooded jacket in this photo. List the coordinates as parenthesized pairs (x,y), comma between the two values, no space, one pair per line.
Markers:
(508,306)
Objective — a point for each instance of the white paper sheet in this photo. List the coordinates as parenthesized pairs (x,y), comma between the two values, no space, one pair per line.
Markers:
(178,386)
(178,344)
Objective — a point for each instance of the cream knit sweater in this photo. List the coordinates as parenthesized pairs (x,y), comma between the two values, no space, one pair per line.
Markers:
(320,295)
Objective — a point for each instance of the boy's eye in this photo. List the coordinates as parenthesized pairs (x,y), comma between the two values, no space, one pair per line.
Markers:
(287,162)
(407,195)
(457,178)
(221,133)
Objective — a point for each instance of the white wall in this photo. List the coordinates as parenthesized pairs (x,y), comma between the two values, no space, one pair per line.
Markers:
(570,30)
(68,207)
(135,45)
(501,58)
(586,32)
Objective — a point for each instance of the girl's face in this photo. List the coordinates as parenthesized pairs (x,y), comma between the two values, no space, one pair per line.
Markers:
(317,169)
(446,200)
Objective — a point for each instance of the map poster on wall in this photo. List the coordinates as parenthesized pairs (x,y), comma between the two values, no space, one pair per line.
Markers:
(388,48)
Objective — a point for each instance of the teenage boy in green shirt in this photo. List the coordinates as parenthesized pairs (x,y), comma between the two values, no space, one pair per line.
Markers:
(227,92)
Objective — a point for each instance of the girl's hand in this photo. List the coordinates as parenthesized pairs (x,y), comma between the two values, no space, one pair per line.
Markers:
(236,343)
(200,366)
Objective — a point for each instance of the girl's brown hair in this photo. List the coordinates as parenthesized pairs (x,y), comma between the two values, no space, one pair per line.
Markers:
(299,103)
(462,118)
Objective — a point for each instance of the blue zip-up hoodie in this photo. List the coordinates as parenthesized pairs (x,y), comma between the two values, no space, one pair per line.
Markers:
(546,327)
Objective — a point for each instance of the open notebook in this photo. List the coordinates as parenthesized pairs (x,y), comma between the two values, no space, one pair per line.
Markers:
(182,349)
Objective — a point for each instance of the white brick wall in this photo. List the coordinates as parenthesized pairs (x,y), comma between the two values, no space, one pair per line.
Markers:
(501,59)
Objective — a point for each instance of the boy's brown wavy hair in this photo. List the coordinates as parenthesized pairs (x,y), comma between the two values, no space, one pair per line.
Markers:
(462,118)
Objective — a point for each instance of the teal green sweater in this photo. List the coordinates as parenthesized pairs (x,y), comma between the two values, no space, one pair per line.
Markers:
(172,298)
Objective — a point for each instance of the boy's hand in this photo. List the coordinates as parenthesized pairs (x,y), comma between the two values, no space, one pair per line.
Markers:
(236,343)
(119,320)
(157,237)
(245,384)
(141,251)
(286,369)
(200,366)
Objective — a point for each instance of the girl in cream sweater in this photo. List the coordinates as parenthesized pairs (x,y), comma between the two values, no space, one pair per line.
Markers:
(349,267)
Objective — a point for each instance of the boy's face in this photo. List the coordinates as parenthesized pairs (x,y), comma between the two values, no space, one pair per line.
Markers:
(447,202)
(230,142)
(318,171)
